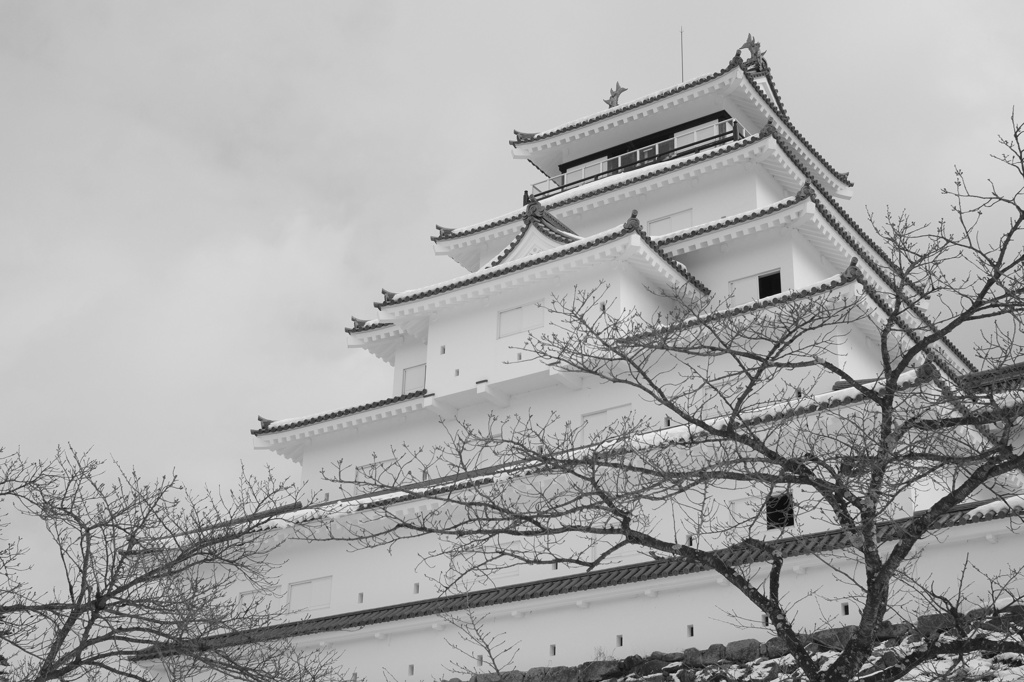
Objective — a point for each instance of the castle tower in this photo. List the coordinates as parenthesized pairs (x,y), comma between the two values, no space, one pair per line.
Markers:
(706,189)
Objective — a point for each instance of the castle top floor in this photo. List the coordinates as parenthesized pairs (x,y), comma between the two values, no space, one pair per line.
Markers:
(730,104)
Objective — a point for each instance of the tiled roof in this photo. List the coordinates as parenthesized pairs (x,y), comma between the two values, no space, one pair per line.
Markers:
(688,161)
(287,424)
(997,379)
(533,137)
(736,555)
(558,232)
(734,220)
(780,111)
(582,245)
(366,325)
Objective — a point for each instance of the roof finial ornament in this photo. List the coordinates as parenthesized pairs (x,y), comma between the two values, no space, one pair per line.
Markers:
(388,295)
(445,231)
(264,422)
(358,324)
(633,224)
(534,210)
(524,137)
(769,128)
(617,91)
(756,63)
(806,191)
(526,197)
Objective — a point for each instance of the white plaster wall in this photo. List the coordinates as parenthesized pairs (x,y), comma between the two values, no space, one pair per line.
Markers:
(411,353)
(747,256)
(712,196)
(656,615)
(469,334)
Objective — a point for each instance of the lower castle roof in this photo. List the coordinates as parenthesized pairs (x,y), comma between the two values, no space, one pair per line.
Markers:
(968,513)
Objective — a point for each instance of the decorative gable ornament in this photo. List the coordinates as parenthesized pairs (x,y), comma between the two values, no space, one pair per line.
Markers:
(616,92)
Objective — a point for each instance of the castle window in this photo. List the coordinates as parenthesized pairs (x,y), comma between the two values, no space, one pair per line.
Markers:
(307,595)
(379,473)
(414,378)
(521,319)
(552,650)
(596,422)
(779,511)
(618,640)
(769,284)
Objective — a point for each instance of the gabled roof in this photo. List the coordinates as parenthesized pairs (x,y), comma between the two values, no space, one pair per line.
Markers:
(781,155)
(749,71)
(539,221)
(613,182)
(737,555)
(534,235)
(524,138)
(579,246)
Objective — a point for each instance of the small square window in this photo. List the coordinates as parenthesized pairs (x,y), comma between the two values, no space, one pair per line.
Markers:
(769,285)
(779,511)
(442,350)
(618,640)
(764,620)
(689,631)
(415,588)
(412,669)
(551,650)
(479,659)
(845,608)
(359,598)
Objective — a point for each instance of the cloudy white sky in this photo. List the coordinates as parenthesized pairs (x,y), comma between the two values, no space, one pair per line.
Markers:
(195,196)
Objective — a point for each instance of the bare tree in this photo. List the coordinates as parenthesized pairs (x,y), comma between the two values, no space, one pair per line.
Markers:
(151,573)
(760,401)
(478,648)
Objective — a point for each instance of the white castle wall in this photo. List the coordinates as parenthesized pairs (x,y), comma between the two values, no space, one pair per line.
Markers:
(658,614)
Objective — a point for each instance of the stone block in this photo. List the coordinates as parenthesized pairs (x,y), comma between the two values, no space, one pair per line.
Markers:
(935,622)
(713,654)
(692,657)
(671,658)
(743,650)
(776,647)
(889,630)
(834,638)
(649,667)
(597,670)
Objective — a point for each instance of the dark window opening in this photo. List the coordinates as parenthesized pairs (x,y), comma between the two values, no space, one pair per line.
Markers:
(618,640)
(846,609)
(769,285)
(780,511)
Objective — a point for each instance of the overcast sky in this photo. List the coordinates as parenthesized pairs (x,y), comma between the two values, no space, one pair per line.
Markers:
(195,196)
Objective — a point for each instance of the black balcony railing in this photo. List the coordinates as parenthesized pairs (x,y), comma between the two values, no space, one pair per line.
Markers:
(685,143)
